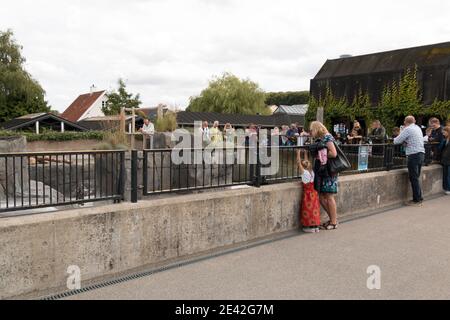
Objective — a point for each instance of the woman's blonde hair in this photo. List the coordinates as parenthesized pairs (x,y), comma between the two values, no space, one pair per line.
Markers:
(447,129)
(318,130)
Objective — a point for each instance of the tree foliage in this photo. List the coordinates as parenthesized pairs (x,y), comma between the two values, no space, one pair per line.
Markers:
(120,99)
(359,107)
(287,98)
(20,94)
(229,94)
(167,123)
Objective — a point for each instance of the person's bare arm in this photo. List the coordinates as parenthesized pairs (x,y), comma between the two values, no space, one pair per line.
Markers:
(299,162)
(332,152)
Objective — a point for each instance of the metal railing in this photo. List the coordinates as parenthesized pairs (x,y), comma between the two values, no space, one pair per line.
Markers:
(161,175)
(50,179)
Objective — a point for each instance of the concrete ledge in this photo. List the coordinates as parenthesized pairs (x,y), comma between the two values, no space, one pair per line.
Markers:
(35,251)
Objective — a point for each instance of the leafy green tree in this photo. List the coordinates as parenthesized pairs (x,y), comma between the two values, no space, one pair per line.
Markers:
(229,94)
(287,98)
(120,99)
(20,94)
(400,99)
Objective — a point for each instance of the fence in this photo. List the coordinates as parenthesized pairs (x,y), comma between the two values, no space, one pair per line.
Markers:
(37,180)
(162,175)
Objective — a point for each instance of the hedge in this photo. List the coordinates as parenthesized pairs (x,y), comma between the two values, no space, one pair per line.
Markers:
(55,136)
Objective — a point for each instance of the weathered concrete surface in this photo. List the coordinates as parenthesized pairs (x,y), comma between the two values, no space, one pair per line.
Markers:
(9,180)
(406,243)
(35,251)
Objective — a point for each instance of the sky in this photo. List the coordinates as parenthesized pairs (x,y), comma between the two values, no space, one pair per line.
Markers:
(168,50)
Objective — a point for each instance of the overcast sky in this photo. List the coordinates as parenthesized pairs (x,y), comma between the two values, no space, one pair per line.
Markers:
(167,50)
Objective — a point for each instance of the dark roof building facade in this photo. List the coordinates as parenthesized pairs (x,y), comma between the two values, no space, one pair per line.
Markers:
(371,73)
(187,119)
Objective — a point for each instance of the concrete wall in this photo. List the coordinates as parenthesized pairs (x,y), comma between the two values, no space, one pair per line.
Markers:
(35,251)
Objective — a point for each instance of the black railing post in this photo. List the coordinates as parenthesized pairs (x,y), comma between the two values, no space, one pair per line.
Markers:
(121,186)
(428,154)
(258,179)
(134,173)
(145,168)
(389,156)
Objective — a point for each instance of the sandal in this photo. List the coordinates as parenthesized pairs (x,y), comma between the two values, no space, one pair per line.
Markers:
(329,226)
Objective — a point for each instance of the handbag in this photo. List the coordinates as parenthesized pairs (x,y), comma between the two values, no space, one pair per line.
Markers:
(340,163)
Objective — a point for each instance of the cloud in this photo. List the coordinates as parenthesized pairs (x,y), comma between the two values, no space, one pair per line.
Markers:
(167,50)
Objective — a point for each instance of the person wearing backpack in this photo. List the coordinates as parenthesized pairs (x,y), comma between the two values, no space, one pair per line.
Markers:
(326,185)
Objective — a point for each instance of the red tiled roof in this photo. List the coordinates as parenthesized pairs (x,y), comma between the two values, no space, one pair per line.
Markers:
(80,106)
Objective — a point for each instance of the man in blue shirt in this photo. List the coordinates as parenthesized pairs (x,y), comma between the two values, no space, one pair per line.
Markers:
(412,136)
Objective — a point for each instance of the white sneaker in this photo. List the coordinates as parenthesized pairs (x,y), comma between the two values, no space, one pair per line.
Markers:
(309,230)
(447,193)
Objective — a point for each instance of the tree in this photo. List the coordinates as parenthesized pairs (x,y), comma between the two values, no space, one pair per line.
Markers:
(287,98)
(20,94)
(400,99)
(120,99)
(229,94)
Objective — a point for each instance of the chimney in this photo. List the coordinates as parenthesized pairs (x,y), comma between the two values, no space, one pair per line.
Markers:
(93,88)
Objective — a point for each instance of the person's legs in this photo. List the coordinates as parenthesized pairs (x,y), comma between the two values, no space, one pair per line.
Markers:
(415,162)
(324,203)
(446,178)
(332,208)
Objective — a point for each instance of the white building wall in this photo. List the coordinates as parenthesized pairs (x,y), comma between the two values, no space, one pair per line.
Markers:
(96,109)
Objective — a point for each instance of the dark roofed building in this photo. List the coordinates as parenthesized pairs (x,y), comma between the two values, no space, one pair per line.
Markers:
(296,109)
(109,123)
(187,119)
(38,121)
(373,72)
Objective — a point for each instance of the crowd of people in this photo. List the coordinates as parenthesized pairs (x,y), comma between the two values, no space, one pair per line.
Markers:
(320,185)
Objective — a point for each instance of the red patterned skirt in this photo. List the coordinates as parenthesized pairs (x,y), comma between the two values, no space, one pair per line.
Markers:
(310,212)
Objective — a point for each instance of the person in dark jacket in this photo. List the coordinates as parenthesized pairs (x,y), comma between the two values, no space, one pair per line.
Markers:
(445,159)
(436,137)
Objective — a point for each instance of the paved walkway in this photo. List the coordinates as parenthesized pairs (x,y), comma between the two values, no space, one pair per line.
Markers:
(410,245)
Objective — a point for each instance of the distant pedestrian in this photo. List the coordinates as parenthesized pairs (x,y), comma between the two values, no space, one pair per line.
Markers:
(148,130)
(310,206)
(378,133)
(356,135)
(216,134)
(206,136)
(436,137)
(445,159)
(415,151)
(395,132)
(229,133)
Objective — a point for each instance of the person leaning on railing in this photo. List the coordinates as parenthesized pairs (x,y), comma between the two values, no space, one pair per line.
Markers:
(415,151)
(148,130)
(378,133)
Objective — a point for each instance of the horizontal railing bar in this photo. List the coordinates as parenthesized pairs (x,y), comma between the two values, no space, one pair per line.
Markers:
(54,153)
(60,204)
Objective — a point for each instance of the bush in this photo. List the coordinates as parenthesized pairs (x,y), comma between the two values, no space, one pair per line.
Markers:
(55,136)
(168,123)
